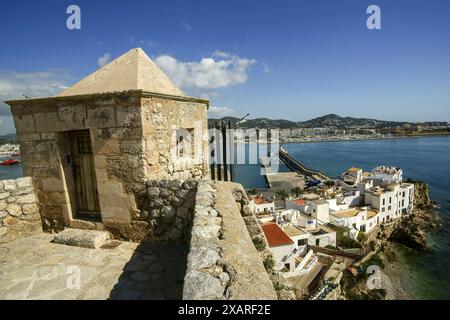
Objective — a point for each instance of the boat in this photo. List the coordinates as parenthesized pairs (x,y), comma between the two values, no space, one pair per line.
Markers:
(9,162)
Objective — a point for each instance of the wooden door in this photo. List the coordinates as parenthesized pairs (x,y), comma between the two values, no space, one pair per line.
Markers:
(86,194)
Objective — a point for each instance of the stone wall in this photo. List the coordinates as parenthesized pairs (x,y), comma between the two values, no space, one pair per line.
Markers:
(166,215)
(19,210)
(132,143)
(223,263)
(161,119)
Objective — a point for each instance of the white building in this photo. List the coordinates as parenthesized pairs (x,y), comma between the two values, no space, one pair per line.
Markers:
(359,218)
(352,176)
(304,230)
(298,204)
(290,257)
(261,205)
(281,246)
(320,210)
(391,201)
(385,175)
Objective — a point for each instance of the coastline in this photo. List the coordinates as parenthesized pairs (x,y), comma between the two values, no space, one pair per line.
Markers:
(378,138)
(366,139)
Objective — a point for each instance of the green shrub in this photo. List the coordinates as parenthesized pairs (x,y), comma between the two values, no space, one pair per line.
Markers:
(259,244)
(269,263)
(362,237)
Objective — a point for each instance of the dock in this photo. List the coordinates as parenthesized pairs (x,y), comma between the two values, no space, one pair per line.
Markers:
(296,166)
(278,181)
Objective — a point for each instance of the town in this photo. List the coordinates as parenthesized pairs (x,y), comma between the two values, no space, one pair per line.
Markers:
(301,225)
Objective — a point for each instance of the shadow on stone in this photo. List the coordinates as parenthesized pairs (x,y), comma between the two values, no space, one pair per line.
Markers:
(154,272)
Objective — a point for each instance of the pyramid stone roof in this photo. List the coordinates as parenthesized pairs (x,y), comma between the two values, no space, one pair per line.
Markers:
(133,70)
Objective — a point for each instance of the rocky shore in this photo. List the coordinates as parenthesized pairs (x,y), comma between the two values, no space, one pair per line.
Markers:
(410,231)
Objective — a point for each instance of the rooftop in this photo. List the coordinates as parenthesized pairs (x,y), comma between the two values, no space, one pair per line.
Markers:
(133,70)
(320,201)
(353,169)
(275,236)
(349,213)
(293,231)
(261,200)
(299,202)
(371,214)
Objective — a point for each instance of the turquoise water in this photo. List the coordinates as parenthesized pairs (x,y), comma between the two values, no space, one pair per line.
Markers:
(426,275)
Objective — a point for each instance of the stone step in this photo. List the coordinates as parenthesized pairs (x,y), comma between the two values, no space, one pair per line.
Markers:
(82,238)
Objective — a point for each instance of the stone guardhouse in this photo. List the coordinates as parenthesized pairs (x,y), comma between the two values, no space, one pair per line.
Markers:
(101,148)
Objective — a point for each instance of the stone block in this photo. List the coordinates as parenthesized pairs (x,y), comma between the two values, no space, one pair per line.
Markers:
(9,185)
(23,137)
(153,192)
(29,209)
(3,205)
(128,116)
(24,124)
(25,182)
(47,122)
(48,136)
(168,212)
(101,117)
(14,209)
(82,238)
(52,185)
(72,117)
(201,286)
(26,199)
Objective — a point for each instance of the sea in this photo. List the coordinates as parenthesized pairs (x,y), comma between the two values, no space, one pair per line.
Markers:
(426,275)
(10,172)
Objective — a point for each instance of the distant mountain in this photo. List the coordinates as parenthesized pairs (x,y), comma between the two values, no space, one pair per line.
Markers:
(328,121)
(335,121)
(262,123)
(8,138)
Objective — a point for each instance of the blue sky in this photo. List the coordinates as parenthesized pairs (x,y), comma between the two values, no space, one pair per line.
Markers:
(278,59)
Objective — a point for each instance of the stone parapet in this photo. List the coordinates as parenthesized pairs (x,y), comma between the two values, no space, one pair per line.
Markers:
(19,210)
(223,263)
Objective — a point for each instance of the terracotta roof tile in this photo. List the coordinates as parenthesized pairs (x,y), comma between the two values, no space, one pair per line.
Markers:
(275,236)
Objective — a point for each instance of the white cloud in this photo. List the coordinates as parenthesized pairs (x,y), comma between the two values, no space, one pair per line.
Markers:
(16,85)
(221,70)
(104,59)
(32,84)
(220,112)
(186,26)
(266,67)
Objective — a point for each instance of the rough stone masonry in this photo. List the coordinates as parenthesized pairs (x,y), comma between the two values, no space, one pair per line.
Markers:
(131,114)
(19,210)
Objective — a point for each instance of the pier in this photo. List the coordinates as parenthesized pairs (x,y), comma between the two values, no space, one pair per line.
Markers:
(296,166)
(278,181)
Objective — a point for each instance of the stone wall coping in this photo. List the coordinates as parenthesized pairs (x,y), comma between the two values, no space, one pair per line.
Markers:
(78,98)
(223,262)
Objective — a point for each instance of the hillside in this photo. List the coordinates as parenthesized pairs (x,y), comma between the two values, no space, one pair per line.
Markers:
(327,121)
